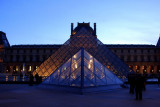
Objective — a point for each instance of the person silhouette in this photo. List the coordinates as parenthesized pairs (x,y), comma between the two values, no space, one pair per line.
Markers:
(37,78)
(31,78)
(139,84)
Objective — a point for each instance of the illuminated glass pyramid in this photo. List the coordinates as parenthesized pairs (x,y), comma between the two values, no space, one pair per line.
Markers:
(57,67)
(82,70)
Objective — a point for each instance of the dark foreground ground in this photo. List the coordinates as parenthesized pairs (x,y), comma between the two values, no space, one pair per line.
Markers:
(16,95)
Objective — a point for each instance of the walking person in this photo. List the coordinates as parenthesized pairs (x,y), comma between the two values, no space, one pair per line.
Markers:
(131,80)
(139,85)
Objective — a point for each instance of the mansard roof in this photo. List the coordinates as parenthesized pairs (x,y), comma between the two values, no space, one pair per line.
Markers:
(130,46)
(37,46)
(107,45)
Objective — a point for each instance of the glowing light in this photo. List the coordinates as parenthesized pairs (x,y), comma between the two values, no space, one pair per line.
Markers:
(74,56)
(16,68)
(73,76)
(6,78)
(90,61)
(14,78)
(89,66)
(75,65)
(74,33)
(30,68)
(64,68)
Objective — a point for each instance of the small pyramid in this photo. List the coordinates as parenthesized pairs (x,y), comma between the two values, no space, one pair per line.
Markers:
(82,70)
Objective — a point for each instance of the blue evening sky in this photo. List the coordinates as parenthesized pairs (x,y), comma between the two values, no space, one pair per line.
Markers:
(49,21)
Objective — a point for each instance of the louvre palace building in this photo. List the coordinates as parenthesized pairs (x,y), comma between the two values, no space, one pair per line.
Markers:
(45,59)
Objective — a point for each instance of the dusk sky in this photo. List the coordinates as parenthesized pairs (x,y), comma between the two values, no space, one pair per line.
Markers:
(49,21)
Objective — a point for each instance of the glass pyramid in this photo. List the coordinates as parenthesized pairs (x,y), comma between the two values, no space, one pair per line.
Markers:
(83,36)
(82,70)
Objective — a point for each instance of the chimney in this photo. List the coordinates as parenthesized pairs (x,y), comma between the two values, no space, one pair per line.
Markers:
(71,28)
(95,28)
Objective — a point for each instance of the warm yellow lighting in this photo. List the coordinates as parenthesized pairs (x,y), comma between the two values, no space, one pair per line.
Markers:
(74,33)
(73,76)
(142,67)
(14,78)
(74,56)
(30,68)
(16,68)
(6,78)
(75,65)
(90,61)
(136,67)
(23,69)
(89,66)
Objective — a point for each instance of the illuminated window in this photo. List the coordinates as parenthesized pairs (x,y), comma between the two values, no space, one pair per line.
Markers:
(30,68)
(16,68)
(143,67)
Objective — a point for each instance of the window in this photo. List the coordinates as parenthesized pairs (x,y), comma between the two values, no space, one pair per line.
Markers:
(16,68)
(142,58)
(137,68)
(135,58)
(30,68)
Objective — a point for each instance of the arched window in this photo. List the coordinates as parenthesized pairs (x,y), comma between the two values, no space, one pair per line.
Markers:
(8,69)
(137,69)
(152,69)
(144,68)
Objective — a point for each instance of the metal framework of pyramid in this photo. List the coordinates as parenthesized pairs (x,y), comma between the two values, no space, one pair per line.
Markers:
(82,37)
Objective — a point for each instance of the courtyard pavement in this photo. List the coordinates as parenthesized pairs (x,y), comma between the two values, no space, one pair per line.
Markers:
(15,95)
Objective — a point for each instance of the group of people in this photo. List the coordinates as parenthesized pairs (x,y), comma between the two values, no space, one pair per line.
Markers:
(137,85)
(37,78)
